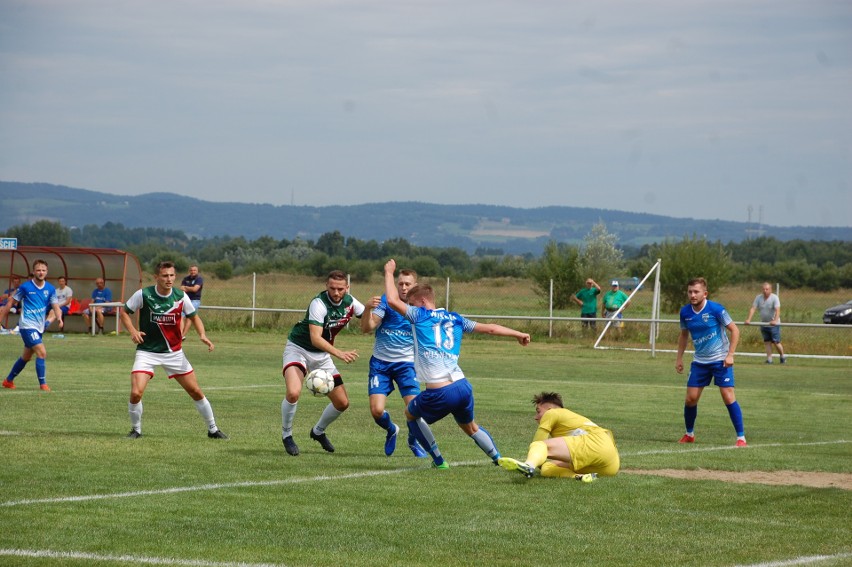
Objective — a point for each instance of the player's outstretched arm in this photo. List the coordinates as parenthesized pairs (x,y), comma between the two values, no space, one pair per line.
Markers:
(319,342)
(501,331)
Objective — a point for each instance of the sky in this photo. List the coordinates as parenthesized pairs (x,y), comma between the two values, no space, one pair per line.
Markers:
(719,109)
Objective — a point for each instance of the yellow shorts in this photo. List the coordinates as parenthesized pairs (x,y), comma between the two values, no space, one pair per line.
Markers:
(594,453)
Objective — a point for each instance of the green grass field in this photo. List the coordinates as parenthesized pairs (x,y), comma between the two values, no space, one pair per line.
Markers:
(73,491)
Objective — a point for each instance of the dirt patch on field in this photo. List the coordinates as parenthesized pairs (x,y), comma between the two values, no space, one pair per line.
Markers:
(800,478)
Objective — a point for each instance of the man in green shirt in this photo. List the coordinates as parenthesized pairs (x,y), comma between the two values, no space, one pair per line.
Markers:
(613,300)
(587,299)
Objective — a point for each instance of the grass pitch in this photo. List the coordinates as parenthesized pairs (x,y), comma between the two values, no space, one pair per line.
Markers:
(73,491)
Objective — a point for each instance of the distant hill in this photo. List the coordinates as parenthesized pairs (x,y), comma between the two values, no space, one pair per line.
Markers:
(512,230)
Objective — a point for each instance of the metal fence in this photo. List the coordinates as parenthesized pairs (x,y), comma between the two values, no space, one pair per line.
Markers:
(277,302)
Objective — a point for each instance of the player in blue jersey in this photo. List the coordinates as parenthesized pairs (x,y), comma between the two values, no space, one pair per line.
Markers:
(35,296)
(392,361)
(437,343)
(705,321)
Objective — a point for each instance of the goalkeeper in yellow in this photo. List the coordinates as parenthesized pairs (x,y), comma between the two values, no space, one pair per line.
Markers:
(566,444)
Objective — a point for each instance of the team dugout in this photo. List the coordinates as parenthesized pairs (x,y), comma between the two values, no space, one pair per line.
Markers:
(80,266)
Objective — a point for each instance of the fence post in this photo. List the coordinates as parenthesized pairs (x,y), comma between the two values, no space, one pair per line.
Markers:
(550,310)
(253,296)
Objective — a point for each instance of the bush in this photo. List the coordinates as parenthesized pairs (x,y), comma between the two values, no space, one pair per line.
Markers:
(687,259)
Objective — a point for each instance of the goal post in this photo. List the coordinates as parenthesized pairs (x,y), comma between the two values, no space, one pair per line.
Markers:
(655,308)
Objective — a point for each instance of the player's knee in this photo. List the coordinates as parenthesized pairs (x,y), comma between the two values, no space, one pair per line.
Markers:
(341,405)
(292,397)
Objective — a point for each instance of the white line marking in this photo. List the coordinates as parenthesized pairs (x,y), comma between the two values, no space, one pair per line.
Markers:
(128,558)
(243,484)
(10,432)
(248,484)
(729,448)
(800,560)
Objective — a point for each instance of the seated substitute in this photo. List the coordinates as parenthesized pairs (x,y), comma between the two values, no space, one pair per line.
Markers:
(101,294)
(6,296)
(566,444)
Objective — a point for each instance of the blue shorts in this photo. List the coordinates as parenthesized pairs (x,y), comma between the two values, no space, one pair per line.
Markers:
(700,375)
(384,374)
(31,337)
(771,334)
(436,403)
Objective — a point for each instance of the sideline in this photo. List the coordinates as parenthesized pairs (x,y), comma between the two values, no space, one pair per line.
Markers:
(127,558)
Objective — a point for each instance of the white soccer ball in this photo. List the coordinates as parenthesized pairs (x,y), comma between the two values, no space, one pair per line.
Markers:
(319,382)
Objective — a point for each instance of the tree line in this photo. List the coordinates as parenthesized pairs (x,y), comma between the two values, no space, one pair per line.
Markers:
(820,265)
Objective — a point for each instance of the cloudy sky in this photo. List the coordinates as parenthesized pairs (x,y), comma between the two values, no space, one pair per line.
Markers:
(677,107)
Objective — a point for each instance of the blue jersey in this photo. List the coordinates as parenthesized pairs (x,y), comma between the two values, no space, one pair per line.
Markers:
(102,295)
(394,335)
(35,301)
(437,343)
(707,328)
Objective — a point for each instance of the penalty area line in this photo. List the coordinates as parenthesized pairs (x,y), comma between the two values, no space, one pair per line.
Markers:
(218,486)
(810,560)
(49,554)
(692,449)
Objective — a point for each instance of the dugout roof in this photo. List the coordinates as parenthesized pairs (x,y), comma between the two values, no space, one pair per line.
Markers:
(80,266)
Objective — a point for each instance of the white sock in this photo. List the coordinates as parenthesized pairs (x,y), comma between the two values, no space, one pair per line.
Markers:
(135,411)
(203,407)
(288,412)
(329,414)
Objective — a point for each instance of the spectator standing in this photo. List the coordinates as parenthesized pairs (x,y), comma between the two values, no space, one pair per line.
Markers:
(101,294)
(769,307)
(587,299)
(191,285)
(612,300)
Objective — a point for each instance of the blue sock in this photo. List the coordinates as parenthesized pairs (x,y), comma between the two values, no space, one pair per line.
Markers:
(16,369)
(689,415)
(736,418)
(484,441)
(385,422)
(426,439)
(41,370)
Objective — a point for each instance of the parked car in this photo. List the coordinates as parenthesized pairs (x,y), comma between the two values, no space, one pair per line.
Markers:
(839,314)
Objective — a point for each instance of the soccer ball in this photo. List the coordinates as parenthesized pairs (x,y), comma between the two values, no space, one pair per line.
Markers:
(319,382)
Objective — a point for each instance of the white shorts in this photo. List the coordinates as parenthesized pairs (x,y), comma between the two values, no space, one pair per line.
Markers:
(308,360)
(174,363)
